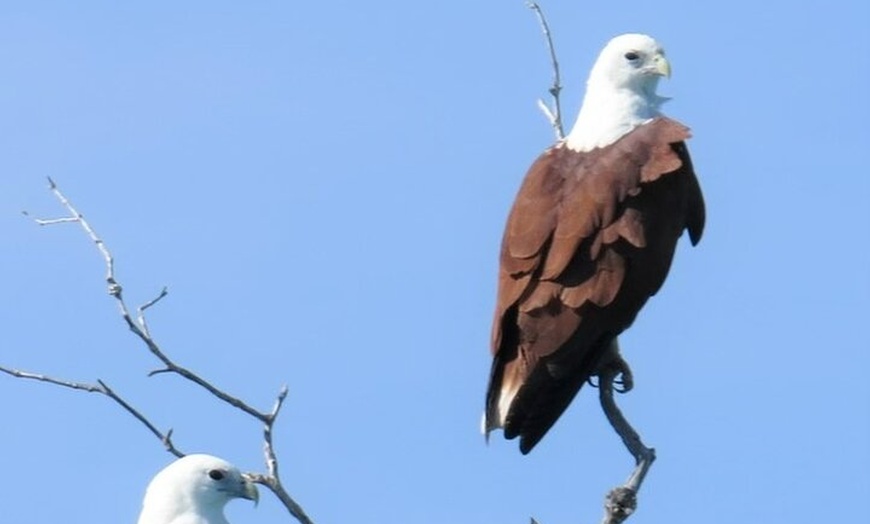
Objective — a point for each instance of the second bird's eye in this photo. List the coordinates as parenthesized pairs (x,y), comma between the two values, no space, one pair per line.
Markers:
(216,474)
(631,55)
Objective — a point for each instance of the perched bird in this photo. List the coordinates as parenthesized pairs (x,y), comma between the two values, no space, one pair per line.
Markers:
(194,490)
(589,239)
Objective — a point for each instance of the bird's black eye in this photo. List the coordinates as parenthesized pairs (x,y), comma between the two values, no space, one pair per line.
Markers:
(216,474)
(631,56)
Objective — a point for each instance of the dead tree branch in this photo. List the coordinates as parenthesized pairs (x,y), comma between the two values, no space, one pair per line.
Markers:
(139,327)
(103,389)
(272,479)
(554,115)
(621,501)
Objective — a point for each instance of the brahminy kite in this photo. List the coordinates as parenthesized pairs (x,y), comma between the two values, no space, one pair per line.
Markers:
(589,239)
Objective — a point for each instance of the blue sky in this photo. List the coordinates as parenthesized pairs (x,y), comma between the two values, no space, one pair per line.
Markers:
(323,185)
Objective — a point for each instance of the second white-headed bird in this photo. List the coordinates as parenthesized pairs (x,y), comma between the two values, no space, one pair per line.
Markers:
(194,490)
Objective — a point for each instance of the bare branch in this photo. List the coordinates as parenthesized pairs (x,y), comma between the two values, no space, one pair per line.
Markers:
(139,327)
(52,221)
(553,115)
(75,216)
(81,386)
(550,117)
(166,438)
(621,501)
(141,309)
(103,389)
(275,487)
(273,479)
(271,459)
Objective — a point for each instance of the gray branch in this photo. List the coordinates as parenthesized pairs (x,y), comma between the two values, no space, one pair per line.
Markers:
(554,115)
(103,389)
(272,480)
(621,501)
(139,327)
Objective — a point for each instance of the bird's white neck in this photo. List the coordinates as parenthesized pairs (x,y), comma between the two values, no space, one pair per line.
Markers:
(171,506)
(607,114)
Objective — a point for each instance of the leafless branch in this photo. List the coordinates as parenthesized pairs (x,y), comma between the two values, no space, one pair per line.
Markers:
(273,479)
(621,501)
(141,309)
(139,327)
(103,389)
(554,115)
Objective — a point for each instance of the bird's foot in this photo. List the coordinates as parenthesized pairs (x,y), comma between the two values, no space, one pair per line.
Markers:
(617,367)
(624,381)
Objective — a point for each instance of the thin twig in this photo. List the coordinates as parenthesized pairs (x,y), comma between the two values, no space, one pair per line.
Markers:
(271,459)
(81,386)
(554,115)
(78,217)
(103,389)
(53,221)
(141,309)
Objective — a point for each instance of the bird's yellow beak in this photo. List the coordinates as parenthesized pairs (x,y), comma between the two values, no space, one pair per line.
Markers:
(250,491)
(663,67)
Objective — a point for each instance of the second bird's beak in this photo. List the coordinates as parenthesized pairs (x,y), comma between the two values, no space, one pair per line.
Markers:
(249,491)
(662,66)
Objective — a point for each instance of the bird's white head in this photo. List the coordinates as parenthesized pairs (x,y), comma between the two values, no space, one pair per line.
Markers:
(620,92)
(195,488)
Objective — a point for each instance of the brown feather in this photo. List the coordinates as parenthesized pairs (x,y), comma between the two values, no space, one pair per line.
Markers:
(589,239)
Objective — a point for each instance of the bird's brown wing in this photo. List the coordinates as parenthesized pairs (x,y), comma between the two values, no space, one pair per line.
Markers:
(589,238)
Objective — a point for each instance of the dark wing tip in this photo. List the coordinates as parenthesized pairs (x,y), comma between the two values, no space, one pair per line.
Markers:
(528,432)
(528,443)
(695,236)
(697,212)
